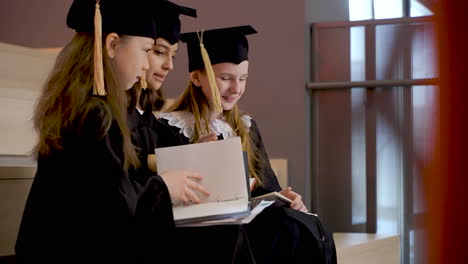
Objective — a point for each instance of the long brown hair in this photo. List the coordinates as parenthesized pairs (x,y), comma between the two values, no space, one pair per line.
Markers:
(67,99)
(194,101)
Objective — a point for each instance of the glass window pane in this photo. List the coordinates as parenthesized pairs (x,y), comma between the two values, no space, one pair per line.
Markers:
(418,9)
(358,54)
(360,10)
(358,156)
(388,9)
(423,51)
(392,59)
(389,160)
(424,117)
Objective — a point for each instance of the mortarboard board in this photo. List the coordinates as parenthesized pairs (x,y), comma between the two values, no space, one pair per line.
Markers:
(208,47)
(167,19)
(222,45)
(123,17)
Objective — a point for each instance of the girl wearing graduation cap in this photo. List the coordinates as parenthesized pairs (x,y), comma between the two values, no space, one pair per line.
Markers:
(146,97)
(208,110)
(83,206)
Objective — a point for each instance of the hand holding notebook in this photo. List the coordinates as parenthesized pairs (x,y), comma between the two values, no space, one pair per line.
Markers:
(221,164)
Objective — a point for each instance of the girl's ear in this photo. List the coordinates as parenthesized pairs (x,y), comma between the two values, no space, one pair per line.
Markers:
(195,78)
(111,43)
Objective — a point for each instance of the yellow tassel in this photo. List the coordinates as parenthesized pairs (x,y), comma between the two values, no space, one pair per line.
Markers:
(143,82)
(215,97)
(98,88)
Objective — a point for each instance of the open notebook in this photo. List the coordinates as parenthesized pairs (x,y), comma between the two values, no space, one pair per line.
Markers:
(221,163)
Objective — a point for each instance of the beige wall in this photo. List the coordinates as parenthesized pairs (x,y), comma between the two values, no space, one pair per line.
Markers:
(35,24)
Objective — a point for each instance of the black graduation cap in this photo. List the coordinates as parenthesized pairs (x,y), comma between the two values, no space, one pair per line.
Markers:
(126,17)
(222,45)
(209,47)
(167,19)
(123,17)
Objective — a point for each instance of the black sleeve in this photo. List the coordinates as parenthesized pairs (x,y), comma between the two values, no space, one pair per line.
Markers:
(263,167)
(145,207)
(82,204)
(150,132)
(143,137)
(168,135)
(105,158)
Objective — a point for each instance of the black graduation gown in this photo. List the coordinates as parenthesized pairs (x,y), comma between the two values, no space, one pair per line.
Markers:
(279,234)
(83,207)
(144,137)
(147,132)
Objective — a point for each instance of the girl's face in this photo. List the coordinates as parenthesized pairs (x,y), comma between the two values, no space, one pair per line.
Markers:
(231,79)
(129,57)
(161,61)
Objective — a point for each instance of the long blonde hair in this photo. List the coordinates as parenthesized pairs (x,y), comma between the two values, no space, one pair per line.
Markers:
(194,101)
(67,99)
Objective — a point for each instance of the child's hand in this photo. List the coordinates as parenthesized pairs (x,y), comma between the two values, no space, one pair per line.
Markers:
(296,199)
(210,137)
(182,186)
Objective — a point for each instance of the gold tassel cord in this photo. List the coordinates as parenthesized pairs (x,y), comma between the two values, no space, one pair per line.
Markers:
(98,88)
(215,96)
(143,82)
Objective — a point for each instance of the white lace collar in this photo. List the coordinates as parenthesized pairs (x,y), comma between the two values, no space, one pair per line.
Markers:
(185,122)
